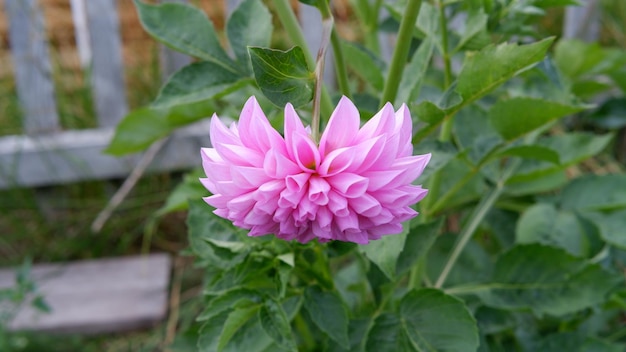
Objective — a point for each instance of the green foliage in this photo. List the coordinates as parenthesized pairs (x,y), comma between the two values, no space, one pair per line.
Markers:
(512,250)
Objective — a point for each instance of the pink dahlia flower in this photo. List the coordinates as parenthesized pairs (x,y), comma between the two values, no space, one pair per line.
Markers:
(354,186)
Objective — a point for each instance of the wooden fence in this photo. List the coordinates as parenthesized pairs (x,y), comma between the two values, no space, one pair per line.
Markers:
(46,154)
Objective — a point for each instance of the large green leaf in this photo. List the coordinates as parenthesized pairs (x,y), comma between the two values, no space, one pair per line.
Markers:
(385,251)
(475,26)
(186,29)
(434,321)
(187,189)
(144,126)
(536,152)
(574,57)
(227,301)
(515,117)
(544,223)
(235,321)
(329,314)
(283,76)
(249,25)
(196,82)
(546,280)
(485,70)
(595,192)
(365,64)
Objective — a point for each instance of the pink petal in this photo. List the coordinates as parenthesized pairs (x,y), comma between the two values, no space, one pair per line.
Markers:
(379,124)
(305,152)
(337,204)
(342,127)
(255,130)
(318,190)
(240,155)
(220,134)
(248,176)
(292,126)
(366,205)
(404,126)
(349,185)
(277,165)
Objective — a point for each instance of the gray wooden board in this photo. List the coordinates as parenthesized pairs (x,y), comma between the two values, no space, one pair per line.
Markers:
(33,73)
(107,73)
(96,296)
(77,155)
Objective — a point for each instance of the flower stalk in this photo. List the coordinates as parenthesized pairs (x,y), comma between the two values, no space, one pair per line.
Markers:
(327,29)
(401,51)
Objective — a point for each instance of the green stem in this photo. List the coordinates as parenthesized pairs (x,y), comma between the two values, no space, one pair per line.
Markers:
(290,23)
(401,51)
(446,129)
(476,218)
(327,29)
(340,65)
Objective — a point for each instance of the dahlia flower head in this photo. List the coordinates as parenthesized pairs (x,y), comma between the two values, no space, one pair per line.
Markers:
(355,186)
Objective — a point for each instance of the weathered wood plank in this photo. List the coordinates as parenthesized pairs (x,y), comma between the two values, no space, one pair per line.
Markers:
(583,22)
(33,72)
(77,155)
(172,61)
(311,22)
(107,71)
(81,32)
(96,296)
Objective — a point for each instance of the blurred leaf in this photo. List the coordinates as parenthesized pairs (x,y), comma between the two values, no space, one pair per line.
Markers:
(283,76)
(515,117)
(612,226)
(250,24)
(428,112)
(236,319)
(611,114)
(186,29)
(275,323)
(441,154)
(575,57)
(418,242)
(473,264)
(572,148)
(485,70)
(144,126)
(546,280)
(493,321)
(227,301)
(177,200)
(543,223)
(365,64)
(475,25)
(595,192)
(196,82)
(329,314)
(428,23)
(539,184)
(411,83)
(536,152)
(575,341)
(384,252)
(387,335)
(475,133)
(434,321)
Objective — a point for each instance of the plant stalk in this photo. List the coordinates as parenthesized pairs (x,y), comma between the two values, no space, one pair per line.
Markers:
(476,218)
(401,51)
(290,22)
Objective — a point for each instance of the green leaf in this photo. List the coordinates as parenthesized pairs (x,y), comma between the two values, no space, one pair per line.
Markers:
(473,265)
(574,57)
(428,23)
(515,117)
(485,70)
(144,126)
(227,301)
(283,76)
(428,112)
(540,184)
(595,192)
(329,314)
(249,337)
(418,242)
(546,280)
(411,83)
(543,223)
(365,64)
(442,153)
(576,341)
(196,82)
(387,335)
(572,148)
(177,200)
(611,226)
(275,324)
(385,251)
(475,25)
(204,226)
(249,25)
(236,319)
(186,29)
(536,152)
(434,321)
